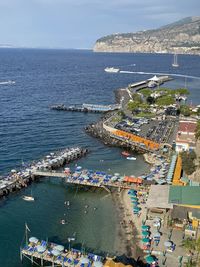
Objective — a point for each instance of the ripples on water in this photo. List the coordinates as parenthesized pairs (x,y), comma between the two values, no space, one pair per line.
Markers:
(29,130)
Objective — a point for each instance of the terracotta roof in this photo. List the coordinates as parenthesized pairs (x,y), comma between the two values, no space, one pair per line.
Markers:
(187,126)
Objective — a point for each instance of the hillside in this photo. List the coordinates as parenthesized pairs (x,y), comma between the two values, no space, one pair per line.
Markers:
(182,36)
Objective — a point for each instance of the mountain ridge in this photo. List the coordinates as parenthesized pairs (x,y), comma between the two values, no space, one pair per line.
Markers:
(182,36)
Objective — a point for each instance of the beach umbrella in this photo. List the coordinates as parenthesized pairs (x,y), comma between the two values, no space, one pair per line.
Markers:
(156,234)
(137,209)
(59,247)
(84,260)
(167,243)
(145,227)
(55,252)
(33,239)
(97,264)
(149,259)
(145,240)
(41,249)
(145,233)
(134,198)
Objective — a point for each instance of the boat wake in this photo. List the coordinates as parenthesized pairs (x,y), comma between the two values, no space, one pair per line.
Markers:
(160,73)
(7,82)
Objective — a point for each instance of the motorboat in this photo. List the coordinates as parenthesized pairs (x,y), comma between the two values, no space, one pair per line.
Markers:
(131,158)
(111,69)
(28,198)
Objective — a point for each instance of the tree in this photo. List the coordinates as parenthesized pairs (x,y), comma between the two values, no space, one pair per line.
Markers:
(188,161)
(197,131)
(185,110)
(150,100)
(137,98)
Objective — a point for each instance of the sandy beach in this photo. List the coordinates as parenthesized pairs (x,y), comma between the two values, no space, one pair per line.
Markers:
(128,225)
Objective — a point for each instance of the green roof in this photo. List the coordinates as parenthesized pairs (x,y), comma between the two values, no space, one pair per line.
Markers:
(186,195)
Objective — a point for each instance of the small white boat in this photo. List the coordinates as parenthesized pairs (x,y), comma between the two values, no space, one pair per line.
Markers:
(28,198)
(131,158)
(111,69)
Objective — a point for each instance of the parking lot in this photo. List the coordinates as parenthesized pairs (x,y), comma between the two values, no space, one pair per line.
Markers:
(159,131)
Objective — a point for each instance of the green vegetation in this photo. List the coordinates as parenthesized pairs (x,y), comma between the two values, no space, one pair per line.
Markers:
(188,158)
(146,92)
(165,100)
(197,132)
(185,110)
(193,247)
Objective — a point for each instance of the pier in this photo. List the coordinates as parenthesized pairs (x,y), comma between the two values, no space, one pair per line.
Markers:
(16,180)
(136,87)
(43,253)
(100,179)
(87,108)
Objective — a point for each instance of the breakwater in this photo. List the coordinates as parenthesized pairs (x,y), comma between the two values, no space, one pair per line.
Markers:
(87,108)
(18,179)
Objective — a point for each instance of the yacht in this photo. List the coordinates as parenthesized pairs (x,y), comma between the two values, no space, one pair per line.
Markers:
(175,62)
(111,69)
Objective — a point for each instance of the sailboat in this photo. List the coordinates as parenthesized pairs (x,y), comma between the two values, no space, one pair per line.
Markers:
(28,198)
(175,62)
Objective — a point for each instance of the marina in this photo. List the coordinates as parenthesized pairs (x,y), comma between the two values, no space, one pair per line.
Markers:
(49,130)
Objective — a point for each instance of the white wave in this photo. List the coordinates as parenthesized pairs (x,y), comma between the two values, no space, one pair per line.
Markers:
(161,73)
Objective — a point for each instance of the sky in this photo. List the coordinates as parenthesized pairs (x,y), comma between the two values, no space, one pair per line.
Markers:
(79,23)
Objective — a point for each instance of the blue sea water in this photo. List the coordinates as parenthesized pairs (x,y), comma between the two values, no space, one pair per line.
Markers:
(30,130)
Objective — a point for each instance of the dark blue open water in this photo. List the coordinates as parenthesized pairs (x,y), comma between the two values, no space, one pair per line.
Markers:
(29,130)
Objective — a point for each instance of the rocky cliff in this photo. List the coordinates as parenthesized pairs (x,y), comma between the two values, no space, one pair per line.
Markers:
(182,36)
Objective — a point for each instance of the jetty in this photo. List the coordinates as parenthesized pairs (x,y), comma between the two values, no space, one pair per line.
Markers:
(43,253)
(18,179)
(137,86)
(86,108)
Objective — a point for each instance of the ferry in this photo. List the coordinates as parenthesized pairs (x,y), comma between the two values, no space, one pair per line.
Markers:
(111,69)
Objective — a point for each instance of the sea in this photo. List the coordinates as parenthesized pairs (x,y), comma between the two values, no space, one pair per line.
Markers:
(29,130)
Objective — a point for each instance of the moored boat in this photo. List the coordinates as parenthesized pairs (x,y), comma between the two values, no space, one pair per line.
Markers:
(125,153)
(131,158)
(28,198)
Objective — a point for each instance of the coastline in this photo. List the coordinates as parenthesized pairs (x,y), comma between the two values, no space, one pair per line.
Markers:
(128,234)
